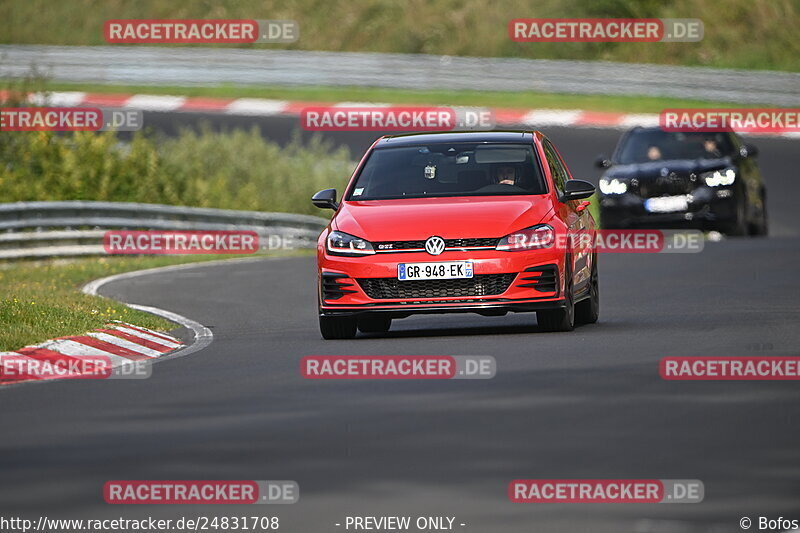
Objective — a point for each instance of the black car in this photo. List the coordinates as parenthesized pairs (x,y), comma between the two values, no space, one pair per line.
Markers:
(700,180)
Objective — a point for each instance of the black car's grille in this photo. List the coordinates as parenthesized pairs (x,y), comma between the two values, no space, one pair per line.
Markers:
(664,185)
(479,285)
(449,243)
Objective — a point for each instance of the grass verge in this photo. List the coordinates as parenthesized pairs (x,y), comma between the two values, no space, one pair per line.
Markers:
(496,99)
(754,34)
(42,300)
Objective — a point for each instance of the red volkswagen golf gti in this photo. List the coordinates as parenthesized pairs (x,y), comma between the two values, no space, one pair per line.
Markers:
(482,222)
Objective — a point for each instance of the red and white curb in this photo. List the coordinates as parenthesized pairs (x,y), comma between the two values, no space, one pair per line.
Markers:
(129,344)
(536,118)
(119,343)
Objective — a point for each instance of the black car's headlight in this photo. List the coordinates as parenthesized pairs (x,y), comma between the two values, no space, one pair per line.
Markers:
(613,186)
(340,243)
(719,178)
(541,236)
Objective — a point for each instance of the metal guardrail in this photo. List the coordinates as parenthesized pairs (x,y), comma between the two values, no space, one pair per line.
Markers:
(75,228)
(151,65)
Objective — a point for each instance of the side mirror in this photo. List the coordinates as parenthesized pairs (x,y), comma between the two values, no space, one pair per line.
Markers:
(602,161)
(325,199)
(748,150)
(576,190)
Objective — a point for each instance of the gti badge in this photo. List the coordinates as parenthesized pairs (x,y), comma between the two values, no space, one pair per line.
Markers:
(434,245)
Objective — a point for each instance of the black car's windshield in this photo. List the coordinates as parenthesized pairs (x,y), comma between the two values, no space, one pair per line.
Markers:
(438,170)
(655,145)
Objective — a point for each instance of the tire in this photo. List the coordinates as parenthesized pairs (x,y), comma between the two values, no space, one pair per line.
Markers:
(337,327)
(588,310)
(738,226)
(560,319)
(374,323)
(761,228)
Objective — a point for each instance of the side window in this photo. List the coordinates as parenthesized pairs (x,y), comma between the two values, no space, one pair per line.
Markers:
(556,168)
(562,164)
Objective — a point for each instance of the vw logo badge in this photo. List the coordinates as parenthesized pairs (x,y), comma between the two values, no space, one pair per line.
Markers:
(434,245)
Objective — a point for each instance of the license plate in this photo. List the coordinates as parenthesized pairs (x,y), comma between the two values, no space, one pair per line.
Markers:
(451,270)
(667,204)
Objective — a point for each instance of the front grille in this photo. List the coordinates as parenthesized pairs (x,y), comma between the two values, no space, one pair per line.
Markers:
(667,185)
(470,243)
(479,285)
(541,278)
(449,244)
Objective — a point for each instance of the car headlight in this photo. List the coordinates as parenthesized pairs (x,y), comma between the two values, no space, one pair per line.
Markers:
(719,178)
(541,236)
(614,186)
(340,243)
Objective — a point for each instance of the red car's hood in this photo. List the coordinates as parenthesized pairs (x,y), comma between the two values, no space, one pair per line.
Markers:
(449,218)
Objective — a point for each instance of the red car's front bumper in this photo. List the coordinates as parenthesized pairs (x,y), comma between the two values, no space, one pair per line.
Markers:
(502,282)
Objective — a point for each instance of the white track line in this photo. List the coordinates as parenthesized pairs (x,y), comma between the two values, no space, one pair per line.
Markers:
(163,336)
(202,335)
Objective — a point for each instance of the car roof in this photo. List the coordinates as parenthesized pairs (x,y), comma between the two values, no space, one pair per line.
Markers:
(638,129)
(446,137)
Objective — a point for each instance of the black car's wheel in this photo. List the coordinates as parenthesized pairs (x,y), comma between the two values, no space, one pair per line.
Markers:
(374,323)
(560,319)
(588,311)
(337,327)
(738,225)
(761,228)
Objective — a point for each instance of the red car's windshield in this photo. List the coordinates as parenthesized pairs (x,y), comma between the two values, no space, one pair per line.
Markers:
(438,170)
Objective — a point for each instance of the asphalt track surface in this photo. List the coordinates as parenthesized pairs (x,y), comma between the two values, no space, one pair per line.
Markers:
(586,404)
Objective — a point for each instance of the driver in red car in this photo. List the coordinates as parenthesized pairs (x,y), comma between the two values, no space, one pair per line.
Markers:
(505,175)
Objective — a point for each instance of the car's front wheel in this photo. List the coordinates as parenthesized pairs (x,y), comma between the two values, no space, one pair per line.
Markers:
(560,319)
(588,311)
(761,228)
(337,327)
(737,227)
